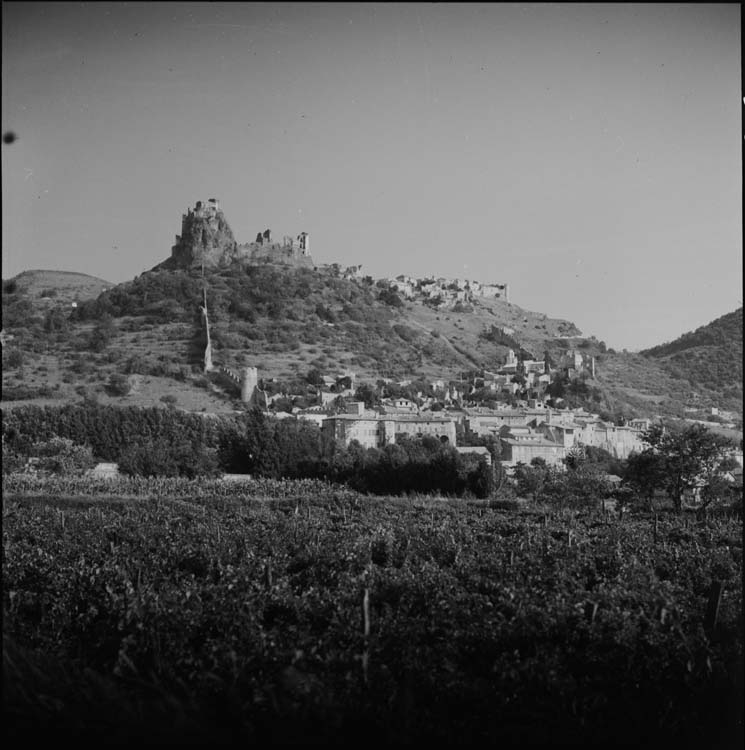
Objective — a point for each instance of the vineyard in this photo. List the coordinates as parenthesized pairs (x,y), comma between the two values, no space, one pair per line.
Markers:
(298,611)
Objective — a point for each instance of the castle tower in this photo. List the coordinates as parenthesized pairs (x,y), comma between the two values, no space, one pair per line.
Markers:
(206,238)
(506,292)
(304,244)
(249,383)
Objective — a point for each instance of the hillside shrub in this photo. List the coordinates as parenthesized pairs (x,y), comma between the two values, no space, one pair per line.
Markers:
(162,459)
(118,385)
(12,358)
(62,456)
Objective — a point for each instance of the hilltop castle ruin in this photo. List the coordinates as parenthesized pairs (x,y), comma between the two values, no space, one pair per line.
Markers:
(207,239)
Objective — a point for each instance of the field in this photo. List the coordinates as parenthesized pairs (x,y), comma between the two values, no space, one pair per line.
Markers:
(297,612)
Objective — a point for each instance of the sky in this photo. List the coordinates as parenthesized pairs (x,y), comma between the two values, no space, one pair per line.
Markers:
(587,154)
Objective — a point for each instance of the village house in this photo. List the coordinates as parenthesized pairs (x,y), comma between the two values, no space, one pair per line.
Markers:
(523,444)
(618,441)
(482,421)
(398,406)
(564,434)
(374,430)
(640,424)
(511,364)
(537,366)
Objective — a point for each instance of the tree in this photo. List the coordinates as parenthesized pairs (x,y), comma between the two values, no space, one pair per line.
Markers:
(118,384)
(583,484)
(483,482)
(55,321)
(390,297)
(314,377)
(101,335)
(366,393)
(62,456)
(645,474)
(251,448)
(529,480)
(162,458)
(687,458)
(13,459)
(717,489)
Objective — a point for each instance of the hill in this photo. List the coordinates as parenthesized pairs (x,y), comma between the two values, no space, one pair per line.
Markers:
(271,308)
(709,359)
(283,319)
(288,321)
(66,286)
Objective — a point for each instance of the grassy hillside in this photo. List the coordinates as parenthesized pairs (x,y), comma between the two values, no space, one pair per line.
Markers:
(707,361)
(287,321)
(284,320)
(59,286)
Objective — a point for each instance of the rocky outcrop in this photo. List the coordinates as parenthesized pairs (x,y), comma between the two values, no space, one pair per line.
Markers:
(206,237)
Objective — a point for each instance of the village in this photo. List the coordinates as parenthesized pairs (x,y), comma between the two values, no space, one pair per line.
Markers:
(527,423)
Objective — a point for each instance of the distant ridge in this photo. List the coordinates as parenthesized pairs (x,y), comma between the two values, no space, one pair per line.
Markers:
(709,358)
(36,271)
(66,285)
(724,331)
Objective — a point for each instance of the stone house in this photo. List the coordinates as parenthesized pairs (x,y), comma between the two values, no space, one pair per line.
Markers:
(374,430)
(522,445)
(564,434)
(483,421)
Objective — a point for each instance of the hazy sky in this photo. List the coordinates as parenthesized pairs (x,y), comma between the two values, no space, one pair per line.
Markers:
(588,155)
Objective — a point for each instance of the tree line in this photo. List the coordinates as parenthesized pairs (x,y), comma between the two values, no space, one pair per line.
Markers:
(166,442)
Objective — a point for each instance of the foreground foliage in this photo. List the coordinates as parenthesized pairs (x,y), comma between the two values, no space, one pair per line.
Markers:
(298,611)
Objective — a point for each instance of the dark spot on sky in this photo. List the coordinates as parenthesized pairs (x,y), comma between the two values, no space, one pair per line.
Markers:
(9,137)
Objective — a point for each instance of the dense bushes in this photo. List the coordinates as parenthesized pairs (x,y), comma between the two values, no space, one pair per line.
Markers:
(411,465)
(56,456)
(157,459)
(166,442)
(109,431)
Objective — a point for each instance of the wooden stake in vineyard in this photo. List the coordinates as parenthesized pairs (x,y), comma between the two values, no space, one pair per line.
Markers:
(365,632)
(712,607)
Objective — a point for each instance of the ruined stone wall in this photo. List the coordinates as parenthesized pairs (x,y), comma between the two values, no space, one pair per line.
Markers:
(253,252)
